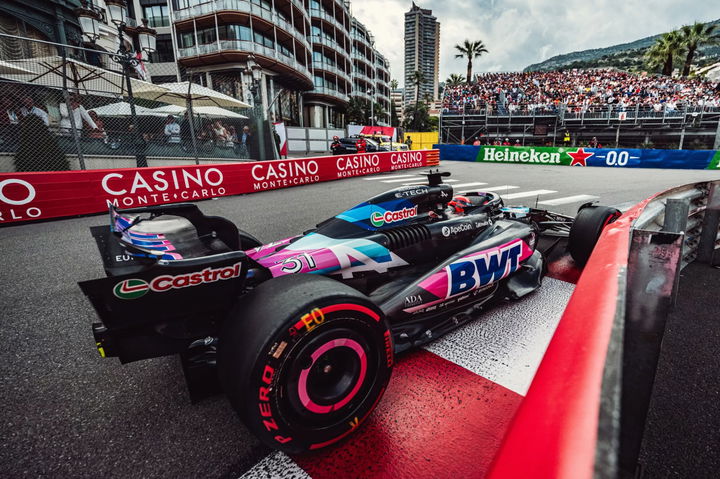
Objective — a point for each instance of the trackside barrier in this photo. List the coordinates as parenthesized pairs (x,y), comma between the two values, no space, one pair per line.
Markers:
(43,195)
(580,156)
(584,413)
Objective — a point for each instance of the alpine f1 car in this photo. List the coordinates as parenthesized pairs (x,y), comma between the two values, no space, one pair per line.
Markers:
(302,332)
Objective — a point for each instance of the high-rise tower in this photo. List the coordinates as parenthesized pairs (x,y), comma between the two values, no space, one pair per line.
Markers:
(422,53)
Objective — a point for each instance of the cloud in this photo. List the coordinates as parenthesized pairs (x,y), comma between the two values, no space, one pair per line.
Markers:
(518,33)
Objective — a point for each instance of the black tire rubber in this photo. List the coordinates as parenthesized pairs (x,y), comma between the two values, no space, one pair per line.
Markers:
(286,328)
(247,241)
(586,229)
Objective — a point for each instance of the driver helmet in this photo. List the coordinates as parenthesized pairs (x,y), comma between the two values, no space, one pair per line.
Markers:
(459,203)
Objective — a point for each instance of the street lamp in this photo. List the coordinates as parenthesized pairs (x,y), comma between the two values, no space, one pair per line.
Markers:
(252,75)
(117,11)
(88,18)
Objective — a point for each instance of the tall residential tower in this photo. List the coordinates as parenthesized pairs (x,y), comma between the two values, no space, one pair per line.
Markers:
(422,53)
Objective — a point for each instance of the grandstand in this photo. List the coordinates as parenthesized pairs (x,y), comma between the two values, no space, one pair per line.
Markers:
(618,108)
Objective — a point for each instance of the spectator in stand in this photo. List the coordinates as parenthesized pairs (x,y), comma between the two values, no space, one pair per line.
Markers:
(8,115)
(29,108)
(172,130)
(244,143)
(517,143)
(186,133)
(476,142)
(80,116)
(219,132)
(506,142)
(408,142)
(579,91)
(593,143)
(99,132)
(232,137)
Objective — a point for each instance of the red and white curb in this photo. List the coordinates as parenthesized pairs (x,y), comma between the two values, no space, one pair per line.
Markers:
(447,407)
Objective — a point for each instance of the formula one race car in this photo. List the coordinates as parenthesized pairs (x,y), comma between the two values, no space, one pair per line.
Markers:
(302,332)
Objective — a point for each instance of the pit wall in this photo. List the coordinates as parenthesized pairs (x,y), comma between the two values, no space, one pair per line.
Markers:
(572,156)
(44,195)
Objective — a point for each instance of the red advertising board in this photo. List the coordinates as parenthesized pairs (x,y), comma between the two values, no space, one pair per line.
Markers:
(38,196)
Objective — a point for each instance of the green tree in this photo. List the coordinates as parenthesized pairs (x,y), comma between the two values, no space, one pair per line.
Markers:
(418,119)
(358,110)
(454,80)
(393,84)
(470,50)
(663,52)
(38,149)
(693,36)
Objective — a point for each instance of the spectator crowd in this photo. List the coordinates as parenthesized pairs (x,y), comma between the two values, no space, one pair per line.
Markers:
(578,91)
(73,118)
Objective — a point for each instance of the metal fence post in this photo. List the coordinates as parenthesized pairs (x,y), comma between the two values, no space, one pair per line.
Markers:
(71,115)
(711,223)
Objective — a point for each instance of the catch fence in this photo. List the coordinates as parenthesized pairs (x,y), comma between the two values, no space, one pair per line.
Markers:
(65,107)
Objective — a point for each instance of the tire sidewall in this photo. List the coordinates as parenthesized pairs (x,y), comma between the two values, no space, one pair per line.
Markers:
(267,400)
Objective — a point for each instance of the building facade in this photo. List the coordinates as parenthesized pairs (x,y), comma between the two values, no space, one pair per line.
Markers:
(45,20)
(314,55)
(422,54)
(397,96)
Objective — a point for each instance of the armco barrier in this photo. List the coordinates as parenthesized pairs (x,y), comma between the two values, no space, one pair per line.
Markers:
(571,424)
(580,156)
(43,195)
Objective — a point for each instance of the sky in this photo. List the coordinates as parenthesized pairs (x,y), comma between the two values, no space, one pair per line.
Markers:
(519,33)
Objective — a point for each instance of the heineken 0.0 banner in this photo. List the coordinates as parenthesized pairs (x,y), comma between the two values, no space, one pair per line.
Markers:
(581,156)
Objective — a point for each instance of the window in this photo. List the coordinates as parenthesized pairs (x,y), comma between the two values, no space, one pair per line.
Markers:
(163,50)
(187,39)
(157,16)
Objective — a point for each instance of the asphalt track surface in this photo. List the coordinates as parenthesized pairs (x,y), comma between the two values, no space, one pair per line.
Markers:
(68,413)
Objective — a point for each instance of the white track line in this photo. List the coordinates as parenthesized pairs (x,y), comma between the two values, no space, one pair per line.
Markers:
(276,465)
(464,185)
(444,181)
(506,343)
(525,194)
(503,187)
(567,199)
(385,177)
(404,179)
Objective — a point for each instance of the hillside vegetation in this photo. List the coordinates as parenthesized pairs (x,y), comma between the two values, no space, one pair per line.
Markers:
(626,56)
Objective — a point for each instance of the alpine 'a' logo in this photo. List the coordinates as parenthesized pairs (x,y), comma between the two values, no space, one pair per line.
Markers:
(131,289)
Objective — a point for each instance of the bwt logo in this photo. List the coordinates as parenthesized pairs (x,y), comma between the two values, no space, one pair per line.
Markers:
(485,268)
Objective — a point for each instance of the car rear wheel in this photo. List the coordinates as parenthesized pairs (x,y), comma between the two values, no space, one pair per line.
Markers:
(586,229)
(304,360)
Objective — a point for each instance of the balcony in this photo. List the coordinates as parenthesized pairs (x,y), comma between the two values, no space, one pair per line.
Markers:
(363,77)
(244,46)
(246,7)
(362,94)
(322,14)
(355,55)
(317,39)
(332,69)
(321,90)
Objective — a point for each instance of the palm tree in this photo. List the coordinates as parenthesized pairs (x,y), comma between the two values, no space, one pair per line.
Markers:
(358,110)
(454,80)
(664,51)
(417,79)
(470,50)
(692,37)
(393,84)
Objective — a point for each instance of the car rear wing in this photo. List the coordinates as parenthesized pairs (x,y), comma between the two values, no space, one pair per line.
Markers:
(153,303)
